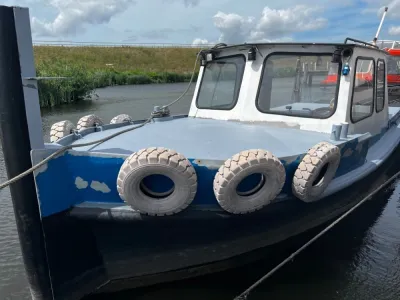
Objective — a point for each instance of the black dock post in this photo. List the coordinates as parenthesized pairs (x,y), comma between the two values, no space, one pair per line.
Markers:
(16,148)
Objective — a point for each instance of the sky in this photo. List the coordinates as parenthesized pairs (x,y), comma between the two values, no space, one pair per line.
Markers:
(209,21)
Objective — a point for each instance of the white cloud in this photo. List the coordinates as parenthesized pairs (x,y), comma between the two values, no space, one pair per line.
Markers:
(393,9)
(394,30)
(231,21)
(234,28)
(392,13)
(273,25)
(200,42)
(74,14)
(279,22)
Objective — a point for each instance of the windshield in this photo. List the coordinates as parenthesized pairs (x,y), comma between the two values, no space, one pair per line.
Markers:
(299,85)
(220,86)
(393,65)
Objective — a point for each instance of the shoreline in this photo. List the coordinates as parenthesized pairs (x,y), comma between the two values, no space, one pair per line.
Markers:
(53,93)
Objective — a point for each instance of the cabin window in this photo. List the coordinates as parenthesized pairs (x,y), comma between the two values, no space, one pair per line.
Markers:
(299,84)
(220,85)
(362,104)
(380,85)
(393,65)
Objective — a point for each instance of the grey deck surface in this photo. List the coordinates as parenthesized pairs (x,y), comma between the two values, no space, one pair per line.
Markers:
(207,138)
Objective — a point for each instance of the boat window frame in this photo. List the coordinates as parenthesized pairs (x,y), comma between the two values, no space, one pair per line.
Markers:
(353,85)
(384,86)
(297,53)
(234,103)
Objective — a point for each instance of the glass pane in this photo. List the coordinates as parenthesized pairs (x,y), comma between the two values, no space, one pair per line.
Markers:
(299,85)
(363,96)
(380,86)
(394,65)
(221,83)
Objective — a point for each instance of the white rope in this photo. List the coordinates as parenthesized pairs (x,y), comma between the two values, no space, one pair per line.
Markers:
(68,147)
(245,294)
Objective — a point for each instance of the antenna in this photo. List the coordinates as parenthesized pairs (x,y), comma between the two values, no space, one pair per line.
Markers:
(380,26)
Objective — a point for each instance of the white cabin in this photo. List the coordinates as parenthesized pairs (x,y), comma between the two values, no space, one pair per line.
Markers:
(295,85)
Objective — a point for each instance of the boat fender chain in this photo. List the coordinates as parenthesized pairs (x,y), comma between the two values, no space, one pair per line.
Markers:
(68,147)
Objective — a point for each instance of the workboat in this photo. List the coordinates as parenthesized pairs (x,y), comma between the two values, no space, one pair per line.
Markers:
(263,155)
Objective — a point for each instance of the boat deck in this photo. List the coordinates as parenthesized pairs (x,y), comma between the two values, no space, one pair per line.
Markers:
(377,155)
(208,139)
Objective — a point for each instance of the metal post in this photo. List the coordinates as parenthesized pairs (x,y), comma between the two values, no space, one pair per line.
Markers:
(28,73)
(380,26)
(16,148)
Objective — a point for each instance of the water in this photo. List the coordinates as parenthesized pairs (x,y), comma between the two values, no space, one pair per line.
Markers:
(359,259)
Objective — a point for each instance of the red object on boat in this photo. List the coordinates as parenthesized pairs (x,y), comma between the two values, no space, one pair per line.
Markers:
(393,73)
(393,70)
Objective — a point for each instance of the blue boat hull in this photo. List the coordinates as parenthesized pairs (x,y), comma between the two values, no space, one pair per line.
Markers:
(108,251)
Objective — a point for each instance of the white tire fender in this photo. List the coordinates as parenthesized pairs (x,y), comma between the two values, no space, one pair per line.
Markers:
(239,167)
(89,121)
(315,171)
(121,119)
(160,161)
(61,129)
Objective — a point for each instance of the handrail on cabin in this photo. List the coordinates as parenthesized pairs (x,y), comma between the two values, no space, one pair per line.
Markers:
(359,41)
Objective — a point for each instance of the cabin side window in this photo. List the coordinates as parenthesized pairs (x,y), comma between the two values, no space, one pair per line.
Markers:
(380,85)
(393,63)
(220,85)
(362,104)
(299,84)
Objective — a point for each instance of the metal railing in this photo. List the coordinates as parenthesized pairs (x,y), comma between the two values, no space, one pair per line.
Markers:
(391,44)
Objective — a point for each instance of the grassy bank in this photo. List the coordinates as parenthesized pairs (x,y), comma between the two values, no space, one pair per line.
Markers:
(94,67)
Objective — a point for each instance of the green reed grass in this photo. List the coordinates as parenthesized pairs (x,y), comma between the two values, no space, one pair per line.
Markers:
(88,68)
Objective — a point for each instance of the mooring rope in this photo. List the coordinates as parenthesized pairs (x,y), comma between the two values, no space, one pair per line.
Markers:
(246,293)
(96,142)
(65,148)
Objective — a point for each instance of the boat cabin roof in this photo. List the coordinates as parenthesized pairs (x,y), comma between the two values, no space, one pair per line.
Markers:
(356,43)
(311,86)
